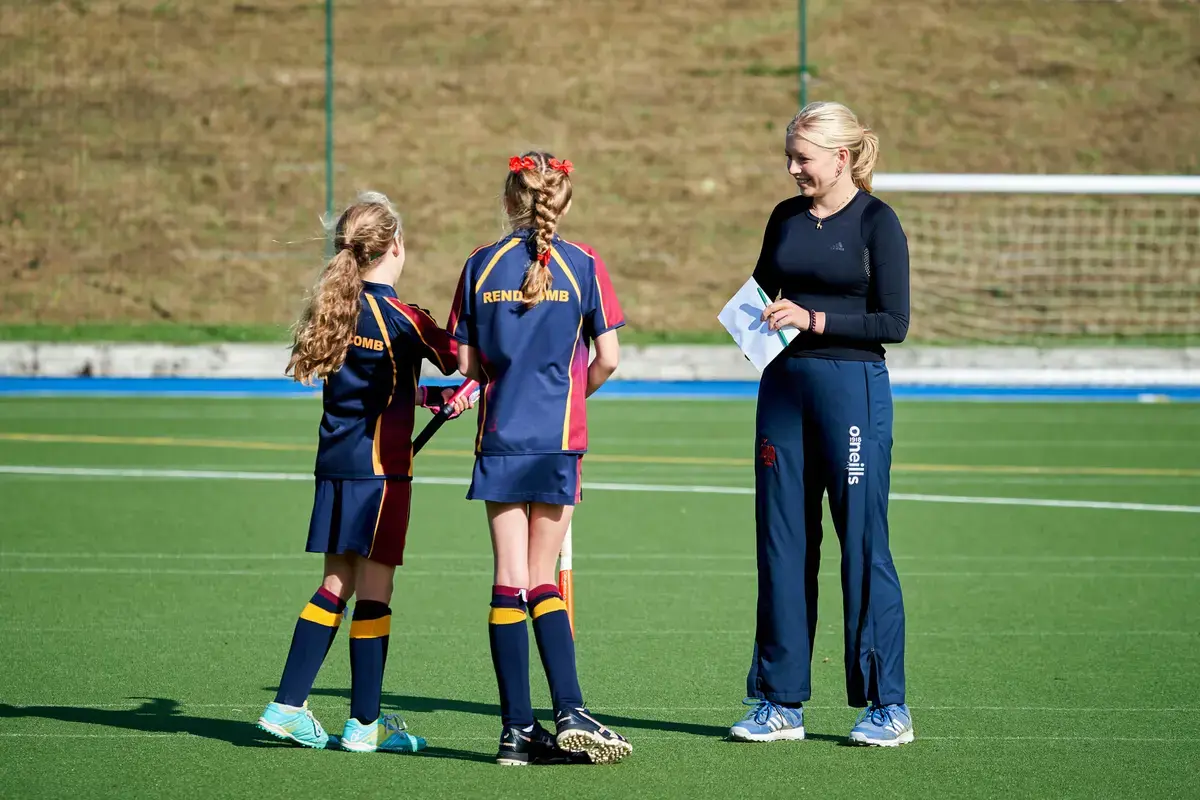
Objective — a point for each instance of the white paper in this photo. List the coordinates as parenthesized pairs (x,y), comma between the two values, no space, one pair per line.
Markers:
(742,317)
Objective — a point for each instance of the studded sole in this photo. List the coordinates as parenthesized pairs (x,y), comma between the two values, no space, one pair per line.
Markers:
(598,748)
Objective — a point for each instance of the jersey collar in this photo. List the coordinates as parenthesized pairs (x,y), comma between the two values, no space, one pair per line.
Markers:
(379,289)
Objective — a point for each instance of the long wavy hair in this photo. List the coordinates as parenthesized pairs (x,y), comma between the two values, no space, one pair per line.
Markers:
(321,337)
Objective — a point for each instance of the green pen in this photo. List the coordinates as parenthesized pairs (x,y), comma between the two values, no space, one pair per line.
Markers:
(766,302)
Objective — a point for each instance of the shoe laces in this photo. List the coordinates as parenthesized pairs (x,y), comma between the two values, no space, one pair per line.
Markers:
(878,715)
(394,722)
(762,708)
(315,722)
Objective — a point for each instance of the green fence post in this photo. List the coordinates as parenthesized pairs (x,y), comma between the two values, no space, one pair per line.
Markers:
(329,117)
(803,11)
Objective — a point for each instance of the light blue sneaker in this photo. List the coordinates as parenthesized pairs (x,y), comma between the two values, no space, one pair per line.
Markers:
(883,726)
(293,723)
(768,722)
(388,733)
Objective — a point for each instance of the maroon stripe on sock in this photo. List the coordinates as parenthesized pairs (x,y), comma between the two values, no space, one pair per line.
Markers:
(333,598)
(539,593)
(506,591)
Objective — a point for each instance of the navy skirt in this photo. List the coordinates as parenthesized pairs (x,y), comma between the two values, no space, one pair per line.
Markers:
(551,478)
(368,517)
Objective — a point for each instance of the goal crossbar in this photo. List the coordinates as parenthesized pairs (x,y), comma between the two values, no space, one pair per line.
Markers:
(1037,184)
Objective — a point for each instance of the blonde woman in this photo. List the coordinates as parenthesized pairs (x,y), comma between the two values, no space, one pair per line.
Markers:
(835,262)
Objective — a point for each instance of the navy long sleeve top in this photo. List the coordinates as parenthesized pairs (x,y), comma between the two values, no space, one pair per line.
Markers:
(854,268)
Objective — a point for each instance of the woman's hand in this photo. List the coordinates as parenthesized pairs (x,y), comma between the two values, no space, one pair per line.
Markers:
(782,313)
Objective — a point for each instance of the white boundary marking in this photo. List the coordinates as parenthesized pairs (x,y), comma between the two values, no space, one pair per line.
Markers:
(590,557)
(487,557)
(96,472)
(675,738)
(148,630)
(599,573)
(134,705)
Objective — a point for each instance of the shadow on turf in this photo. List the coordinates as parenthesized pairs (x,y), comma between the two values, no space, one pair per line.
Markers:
(160,715)
(429,704)
(154,715)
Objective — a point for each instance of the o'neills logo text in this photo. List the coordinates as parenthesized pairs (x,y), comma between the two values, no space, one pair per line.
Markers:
(855,466)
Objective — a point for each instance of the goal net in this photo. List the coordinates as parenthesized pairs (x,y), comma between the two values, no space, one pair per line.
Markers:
(1051,259)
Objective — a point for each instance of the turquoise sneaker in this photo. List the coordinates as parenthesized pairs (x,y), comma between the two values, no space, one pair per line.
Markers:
(295,724)
(388,733)
(883,726)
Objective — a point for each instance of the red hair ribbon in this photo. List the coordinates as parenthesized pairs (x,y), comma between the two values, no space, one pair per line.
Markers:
(516,163)
(544,259)
(565,167)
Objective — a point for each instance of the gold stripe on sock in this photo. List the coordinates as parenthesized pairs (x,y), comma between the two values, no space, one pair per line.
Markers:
(548,605)
(371,628)
(314,613)
(505,616)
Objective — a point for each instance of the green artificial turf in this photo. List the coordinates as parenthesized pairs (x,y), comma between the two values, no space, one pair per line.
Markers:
(1052,651)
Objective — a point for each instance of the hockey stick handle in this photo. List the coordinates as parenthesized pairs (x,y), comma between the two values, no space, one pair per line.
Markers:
(566,579)
(444,413)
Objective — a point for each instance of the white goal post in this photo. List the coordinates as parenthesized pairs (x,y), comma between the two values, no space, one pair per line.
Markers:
(1051,259)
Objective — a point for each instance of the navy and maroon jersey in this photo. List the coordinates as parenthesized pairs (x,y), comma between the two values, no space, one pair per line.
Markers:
(535,359)
(369,404)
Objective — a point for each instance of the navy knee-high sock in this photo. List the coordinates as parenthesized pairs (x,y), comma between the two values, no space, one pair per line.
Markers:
(509,638)
(369,633)
(314,634)
(552,628)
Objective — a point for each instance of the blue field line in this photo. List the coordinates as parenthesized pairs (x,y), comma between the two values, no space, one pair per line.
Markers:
(650,390)
(155,387)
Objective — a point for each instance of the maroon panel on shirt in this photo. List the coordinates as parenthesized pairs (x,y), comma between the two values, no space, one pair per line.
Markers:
(395,432)
(609,307)
(456,308)
(436,344)
(606,310)
(577,435)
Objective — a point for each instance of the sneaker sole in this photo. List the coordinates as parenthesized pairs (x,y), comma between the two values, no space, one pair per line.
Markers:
(599,749)
(861,739)
(281,733)
(358,747)
(512,762)
(784,735)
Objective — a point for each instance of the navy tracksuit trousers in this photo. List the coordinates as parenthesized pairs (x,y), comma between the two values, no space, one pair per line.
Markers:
(825,425)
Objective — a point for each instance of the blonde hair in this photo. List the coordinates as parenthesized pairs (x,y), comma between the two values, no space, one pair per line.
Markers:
(536,197)
(322,335)
(832,126)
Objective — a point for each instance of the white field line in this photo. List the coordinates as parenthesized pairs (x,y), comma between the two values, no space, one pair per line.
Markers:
(151,630)
(599,573)
(93,472)
(941,444)
(484,556)
(678,738)
(133,705)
